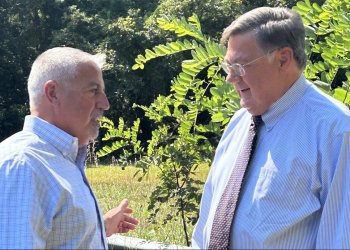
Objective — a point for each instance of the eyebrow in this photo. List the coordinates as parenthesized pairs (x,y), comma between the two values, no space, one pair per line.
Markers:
(236,60)
(239,60)
(95,84)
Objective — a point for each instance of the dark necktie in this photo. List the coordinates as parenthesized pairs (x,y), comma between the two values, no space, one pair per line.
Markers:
(220,232)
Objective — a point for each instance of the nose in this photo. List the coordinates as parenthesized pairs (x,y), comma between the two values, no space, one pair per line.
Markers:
(232,78)
(103,102)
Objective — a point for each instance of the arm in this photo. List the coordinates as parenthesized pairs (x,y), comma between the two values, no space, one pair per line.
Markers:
(199,236)
(22,214)
(334,226)
(117,220)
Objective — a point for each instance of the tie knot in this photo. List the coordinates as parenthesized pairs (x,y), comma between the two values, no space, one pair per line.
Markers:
(257,120)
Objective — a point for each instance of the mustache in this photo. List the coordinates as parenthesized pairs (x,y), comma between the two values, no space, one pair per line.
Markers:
(97,114)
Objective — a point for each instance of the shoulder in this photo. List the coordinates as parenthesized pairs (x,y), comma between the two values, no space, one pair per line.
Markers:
(237,126)
(324,110)
(20,152)
(240,118)
(316,98)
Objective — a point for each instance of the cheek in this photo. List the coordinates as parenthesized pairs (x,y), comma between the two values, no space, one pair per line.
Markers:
(256,87)
(84,107)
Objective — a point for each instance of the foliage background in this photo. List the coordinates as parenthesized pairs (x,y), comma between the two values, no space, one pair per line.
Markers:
(121,28)
(182,101)
(193,115)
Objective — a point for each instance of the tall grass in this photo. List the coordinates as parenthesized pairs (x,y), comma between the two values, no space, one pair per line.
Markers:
(111,184)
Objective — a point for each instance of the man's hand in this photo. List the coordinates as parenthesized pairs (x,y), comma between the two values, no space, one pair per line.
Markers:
(117,220)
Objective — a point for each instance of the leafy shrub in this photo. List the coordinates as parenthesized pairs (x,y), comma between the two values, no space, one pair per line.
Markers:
(190,120)
(328,45)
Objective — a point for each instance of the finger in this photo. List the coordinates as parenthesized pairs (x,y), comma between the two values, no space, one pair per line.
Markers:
(131,220)
(129,226)
(123,230)
(128,210)
(124,204)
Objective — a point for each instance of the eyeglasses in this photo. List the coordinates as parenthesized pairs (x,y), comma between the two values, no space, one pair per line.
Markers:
(237,69)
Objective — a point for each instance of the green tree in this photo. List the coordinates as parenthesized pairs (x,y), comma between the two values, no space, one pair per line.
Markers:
(25,28)
(120,28)
(192,117)
(328,45)
(29,27)
(188,121)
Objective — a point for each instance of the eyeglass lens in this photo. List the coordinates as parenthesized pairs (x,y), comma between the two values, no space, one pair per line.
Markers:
(235,69)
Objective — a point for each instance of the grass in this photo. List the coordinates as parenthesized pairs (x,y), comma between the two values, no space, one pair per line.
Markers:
(111,184)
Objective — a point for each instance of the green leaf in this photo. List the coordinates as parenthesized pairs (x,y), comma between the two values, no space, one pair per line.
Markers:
(317,7)
(194,20)
(185,77)
(150,54)
(342,95)
(307,2)
(302,6)
(135,67)
(218,117)
(325,17)
(181,90)
(347,74)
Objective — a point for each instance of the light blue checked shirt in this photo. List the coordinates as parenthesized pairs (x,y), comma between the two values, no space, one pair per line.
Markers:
(297,189)
(46,201)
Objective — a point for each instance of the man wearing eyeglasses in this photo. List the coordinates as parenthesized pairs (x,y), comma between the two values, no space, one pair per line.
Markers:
(295,193)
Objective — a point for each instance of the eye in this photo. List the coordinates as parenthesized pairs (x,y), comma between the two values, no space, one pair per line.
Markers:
(94,90)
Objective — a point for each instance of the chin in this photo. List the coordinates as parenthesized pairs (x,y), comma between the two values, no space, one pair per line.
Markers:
(251,111)
(94,136)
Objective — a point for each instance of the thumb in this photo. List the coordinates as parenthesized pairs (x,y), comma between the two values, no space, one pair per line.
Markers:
(124,204)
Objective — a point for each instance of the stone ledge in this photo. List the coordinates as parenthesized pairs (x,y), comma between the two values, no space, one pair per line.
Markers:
(123,242)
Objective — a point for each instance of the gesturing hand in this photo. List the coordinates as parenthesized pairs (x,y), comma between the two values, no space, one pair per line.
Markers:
(117,220)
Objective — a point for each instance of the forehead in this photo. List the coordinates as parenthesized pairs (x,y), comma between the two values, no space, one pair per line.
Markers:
(241,47)
(90,74)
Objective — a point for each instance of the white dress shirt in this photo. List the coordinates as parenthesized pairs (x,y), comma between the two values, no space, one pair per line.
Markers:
(296,193)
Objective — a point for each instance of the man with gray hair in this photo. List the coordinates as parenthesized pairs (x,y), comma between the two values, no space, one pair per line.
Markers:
(46,201)
(280,177)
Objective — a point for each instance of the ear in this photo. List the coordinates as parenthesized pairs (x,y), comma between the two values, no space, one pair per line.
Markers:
(285,57)
(51,91)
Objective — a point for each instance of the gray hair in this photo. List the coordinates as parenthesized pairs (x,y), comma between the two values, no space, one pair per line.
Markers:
(274,28)
(59,64)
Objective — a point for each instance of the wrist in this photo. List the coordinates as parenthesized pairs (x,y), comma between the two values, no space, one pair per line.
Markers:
(105,222)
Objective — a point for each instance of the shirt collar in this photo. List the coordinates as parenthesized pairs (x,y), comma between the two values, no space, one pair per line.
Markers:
(61,140)
(290,98)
